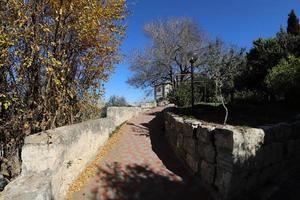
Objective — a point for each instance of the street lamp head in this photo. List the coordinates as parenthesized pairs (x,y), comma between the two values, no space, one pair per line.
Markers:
(192,57)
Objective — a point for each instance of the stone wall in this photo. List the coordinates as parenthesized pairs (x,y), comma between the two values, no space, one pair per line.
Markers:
(148,105)
(53,159)
(235,162)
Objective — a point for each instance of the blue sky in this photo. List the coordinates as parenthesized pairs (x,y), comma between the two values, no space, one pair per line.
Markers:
(237,22)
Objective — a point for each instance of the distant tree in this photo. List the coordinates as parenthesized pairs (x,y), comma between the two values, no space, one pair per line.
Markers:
(284,78)
(167,55)
(293,24)
(289,43)
(117,101)
(265,54)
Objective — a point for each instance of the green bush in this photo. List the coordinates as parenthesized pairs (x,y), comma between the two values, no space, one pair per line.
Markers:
(181,95)
(204,91)
(284,78)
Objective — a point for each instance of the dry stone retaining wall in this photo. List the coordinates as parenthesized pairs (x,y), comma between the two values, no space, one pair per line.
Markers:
(53,159)
(233,161)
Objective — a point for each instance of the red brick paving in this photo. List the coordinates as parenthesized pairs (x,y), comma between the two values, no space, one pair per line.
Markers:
(141,166)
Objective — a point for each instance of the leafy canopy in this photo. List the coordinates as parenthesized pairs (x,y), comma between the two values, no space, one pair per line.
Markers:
(54,56)
(284,78)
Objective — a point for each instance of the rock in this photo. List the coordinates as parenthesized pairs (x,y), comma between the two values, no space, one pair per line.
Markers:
(189,145)
(31,187)
(222,182)
(207,152)
(207,172)
(179,142)
(224,138)
(187,129)
(192,163)
(204,135)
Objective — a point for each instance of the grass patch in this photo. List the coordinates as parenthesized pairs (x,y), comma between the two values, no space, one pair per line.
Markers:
(242,114)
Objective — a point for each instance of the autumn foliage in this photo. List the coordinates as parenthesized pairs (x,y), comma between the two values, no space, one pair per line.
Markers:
(54,56)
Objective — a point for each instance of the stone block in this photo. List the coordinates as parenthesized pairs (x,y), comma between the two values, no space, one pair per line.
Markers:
(179,141)
(209,153)
(189,145)
(207,172)
(46,157)
(224,138)
(204,135)
(172,140)
(192,163)
(180,153)
(187,130)
(222,182)
(29,187)
(225,159)
(247,142)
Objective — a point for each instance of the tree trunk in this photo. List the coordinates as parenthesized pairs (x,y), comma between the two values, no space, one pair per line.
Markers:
(224,106)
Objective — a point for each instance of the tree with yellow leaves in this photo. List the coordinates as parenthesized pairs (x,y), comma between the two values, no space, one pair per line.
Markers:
(54,57)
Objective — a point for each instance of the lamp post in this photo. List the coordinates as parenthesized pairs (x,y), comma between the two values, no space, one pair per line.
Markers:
(193,59)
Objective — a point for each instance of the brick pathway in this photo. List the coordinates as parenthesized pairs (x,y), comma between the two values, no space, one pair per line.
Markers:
(142,167)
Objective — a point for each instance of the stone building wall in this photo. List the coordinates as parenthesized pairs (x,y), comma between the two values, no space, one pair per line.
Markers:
(53,159)
(233,161)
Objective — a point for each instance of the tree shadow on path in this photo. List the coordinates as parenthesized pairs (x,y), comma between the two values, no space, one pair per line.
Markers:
(163,150)
(142,182)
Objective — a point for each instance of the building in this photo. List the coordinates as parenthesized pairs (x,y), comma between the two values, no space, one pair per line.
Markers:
(161,92)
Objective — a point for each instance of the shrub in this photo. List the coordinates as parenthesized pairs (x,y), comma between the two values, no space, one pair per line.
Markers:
(117,101)
(180,96)
(284,78)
